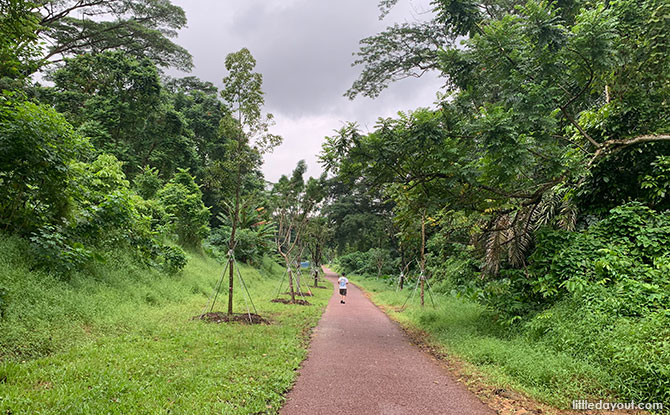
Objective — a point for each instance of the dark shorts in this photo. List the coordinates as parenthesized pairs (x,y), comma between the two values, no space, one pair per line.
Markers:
(343,291)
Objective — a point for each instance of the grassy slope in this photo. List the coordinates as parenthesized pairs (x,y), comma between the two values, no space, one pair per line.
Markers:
(119,339)
(506,360)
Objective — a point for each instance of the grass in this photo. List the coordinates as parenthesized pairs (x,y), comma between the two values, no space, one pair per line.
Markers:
(119,339)
(506,359)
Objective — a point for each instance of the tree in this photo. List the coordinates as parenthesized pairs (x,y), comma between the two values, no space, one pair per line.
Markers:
(19,51)
(118,102)
(248,129)
(294,202)
(317,236)
(140,28)
(545,96)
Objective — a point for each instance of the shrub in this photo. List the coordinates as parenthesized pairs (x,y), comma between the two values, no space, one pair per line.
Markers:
(105,213)
(37,150)
(174,258)
(182,199)
(353,263)
(147,183)
(627,253)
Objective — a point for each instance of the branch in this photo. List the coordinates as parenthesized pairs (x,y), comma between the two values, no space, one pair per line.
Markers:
(579,128)
(50,17)
(610,147)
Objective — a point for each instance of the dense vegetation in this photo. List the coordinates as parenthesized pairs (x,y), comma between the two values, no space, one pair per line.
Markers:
(112,155)
(538,188)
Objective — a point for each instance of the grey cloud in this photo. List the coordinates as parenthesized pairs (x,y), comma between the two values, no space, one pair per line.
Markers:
(304,51)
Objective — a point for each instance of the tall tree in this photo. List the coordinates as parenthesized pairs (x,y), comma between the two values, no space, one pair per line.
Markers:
(141,28)
(118,102)
(248,129)
(19,51)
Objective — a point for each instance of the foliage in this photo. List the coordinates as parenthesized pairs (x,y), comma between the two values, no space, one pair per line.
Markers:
(147,183)
(544,118)
(138,28)
(182,199)
(18,39)
(657,184)
(375,262)
(627,252)
(256,235)
(251,245)
(37,148)
(293,201)
(352,263)
(357,214)
(118,101)
(104,212)
(317,237)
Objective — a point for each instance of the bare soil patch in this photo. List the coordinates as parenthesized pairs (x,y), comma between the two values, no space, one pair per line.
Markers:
(285,301)
(219,317)
(301,295)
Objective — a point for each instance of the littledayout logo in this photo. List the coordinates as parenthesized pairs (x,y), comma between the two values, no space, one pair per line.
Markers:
(584,404)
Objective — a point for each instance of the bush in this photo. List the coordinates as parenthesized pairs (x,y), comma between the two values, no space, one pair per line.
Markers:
(628,251)
(182,199)
(105,213)
(174,258)
(353,263)
(37,150)
(147,183)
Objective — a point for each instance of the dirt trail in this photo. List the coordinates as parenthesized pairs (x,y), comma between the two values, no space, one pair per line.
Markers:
(360,362)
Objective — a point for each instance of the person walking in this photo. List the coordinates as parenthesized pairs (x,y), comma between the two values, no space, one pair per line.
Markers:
(343,281)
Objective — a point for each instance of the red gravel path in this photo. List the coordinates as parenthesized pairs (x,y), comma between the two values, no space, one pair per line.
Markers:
(360,362)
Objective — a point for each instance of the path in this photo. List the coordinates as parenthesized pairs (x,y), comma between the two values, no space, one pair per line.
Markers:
(360,362)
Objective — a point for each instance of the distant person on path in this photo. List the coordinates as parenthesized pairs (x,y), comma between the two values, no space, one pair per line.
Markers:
(343,281)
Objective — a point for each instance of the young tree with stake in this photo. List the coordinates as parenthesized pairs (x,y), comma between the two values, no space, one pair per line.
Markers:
(248,130)
(296,200)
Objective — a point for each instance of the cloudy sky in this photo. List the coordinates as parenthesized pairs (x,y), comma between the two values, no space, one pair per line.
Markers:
(304,51)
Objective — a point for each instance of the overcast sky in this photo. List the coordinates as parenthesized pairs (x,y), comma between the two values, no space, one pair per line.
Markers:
(304,51)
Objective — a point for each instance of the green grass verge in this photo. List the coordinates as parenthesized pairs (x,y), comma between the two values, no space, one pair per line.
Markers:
(119,339)
(506,359)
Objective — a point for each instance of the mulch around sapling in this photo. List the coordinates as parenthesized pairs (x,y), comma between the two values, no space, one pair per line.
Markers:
(219,317)
(301,295)
(285,301)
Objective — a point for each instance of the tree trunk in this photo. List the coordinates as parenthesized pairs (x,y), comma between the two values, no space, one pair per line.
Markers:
(316,278)
(298,274)
(231,244)
(290,285)
(231,279)
(422,277)
(423,251)
(402,263)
